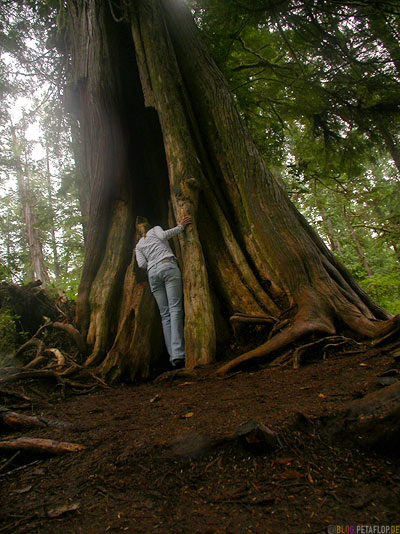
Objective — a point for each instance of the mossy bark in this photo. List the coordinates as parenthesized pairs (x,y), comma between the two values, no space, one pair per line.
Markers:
(163,138)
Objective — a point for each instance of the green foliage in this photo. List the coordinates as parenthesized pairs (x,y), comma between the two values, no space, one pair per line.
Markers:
(385,290)
(8,333)
(319,90)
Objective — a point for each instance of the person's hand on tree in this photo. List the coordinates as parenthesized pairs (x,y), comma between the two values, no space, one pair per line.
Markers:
(186,220)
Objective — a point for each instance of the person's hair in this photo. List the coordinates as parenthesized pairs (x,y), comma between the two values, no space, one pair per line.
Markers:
(144,223)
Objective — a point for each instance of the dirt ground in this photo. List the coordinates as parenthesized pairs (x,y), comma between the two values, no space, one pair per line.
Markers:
(163,457)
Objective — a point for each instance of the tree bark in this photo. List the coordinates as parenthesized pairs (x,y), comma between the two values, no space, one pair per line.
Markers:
(163,138)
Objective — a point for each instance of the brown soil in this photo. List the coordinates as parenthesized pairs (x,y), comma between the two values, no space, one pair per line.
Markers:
(153,462)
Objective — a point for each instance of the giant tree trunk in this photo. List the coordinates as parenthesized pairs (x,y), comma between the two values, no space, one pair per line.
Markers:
(163,138)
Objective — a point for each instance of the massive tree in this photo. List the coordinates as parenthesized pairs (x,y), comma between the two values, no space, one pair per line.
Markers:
(163,138)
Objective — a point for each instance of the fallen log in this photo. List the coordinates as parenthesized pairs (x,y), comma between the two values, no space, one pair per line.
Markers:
(17,420)
(40,445)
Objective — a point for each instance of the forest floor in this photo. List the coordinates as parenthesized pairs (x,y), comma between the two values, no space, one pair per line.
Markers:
(163,457)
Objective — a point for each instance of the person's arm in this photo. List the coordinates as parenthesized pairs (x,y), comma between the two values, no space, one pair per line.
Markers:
(142,262)
(167,234)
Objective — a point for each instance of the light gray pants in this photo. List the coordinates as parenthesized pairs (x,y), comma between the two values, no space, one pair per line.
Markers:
(166,285)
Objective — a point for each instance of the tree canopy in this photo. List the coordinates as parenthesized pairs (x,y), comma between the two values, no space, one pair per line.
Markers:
(317,83)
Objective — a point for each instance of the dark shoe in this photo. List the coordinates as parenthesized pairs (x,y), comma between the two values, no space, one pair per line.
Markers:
(178,364)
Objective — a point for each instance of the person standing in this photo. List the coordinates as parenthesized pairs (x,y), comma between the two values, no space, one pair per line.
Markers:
(154,253)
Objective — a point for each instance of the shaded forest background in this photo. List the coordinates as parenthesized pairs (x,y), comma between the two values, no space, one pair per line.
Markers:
(316,82)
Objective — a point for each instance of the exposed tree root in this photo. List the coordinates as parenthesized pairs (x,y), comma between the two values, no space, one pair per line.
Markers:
(91,380)
(330,341)
(386,337)
(52,362)
(257,319)
(315,317)
(239,321)
(74,334)
(280,325)
(278,342)
(34,341)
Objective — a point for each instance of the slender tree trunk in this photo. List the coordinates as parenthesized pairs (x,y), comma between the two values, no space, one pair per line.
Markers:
(51,206)
(335,243)
(81,171)
(38,266)
(360,251)
(163,138)
(330,231)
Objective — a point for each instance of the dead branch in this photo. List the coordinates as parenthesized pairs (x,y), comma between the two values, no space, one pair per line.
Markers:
(61,300)
(18,396)
(40,445)
(35,362)
(345,341)
(68,328)
(9,461)
(29,374)
(59,357)
(72,369)
(20,468)
(43,373)
(341,340)
(33,341)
